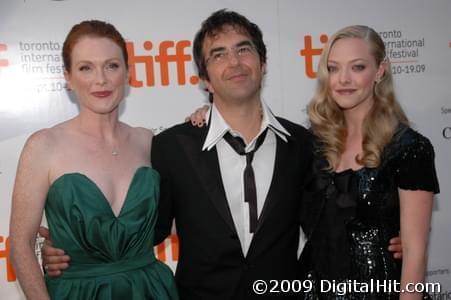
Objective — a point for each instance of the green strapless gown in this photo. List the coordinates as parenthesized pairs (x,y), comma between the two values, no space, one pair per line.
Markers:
(111,257)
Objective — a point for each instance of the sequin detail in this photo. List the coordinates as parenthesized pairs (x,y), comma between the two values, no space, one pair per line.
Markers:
(350,242)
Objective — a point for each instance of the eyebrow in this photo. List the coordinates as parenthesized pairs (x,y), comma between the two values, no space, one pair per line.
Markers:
(115,59)
(352,61)
(240,44)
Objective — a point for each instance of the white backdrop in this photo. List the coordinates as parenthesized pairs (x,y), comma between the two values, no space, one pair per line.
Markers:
(32,94)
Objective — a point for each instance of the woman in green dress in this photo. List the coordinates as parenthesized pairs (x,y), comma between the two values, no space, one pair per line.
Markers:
(92,174)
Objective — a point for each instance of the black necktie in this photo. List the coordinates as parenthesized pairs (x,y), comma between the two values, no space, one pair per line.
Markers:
(250,191)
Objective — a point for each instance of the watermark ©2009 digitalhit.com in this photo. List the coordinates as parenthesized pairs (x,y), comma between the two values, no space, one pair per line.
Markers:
(261,287)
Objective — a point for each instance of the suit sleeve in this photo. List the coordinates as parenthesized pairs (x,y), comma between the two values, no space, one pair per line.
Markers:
(165,206)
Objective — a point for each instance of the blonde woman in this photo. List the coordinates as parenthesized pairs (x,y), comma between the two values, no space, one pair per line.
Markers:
(374,176)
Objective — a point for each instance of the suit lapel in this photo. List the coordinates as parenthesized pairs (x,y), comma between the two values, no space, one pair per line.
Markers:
(206,165)
(275,191)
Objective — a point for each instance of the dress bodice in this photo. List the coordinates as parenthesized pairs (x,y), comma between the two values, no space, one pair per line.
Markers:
(111,256)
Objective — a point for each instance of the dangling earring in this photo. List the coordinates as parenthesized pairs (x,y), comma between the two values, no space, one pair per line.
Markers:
(376,82)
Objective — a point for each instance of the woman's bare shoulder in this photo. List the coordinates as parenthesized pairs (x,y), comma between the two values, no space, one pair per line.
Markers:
(142,138)
(47,139)
(42,138)
(142,135)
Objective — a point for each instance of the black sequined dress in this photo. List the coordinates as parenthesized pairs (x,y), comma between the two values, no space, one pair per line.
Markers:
(349,218)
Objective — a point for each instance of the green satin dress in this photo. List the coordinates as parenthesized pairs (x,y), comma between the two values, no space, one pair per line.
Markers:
(111,257)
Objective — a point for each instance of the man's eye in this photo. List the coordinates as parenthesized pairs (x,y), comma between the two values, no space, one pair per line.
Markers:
(218,55)
(244,50)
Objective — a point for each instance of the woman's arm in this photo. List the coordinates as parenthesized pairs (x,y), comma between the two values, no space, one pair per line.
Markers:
(416,211)
(29,195)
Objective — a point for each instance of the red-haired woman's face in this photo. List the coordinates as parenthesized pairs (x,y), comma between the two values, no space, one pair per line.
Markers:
(98,74)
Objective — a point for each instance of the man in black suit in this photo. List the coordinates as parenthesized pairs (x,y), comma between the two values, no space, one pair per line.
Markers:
(222,251)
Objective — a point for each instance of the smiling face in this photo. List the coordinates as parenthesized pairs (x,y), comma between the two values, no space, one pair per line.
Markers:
(353,72)
(98,74)
(233,65)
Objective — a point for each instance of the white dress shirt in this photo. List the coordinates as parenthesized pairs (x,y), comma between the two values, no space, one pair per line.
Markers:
(232,166)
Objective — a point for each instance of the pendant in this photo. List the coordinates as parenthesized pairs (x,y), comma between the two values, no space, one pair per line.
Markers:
(114,153)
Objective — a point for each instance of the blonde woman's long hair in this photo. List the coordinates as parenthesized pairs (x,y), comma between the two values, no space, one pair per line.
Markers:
(327,119)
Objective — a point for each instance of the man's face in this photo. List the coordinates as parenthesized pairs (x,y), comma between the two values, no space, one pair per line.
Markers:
(233,65)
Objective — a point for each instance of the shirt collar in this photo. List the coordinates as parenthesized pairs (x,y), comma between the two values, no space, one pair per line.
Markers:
(218,126)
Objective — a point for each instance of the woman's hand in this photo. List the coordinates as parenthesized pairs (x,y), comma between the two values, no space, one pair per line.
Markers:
(197,118)
(54,260)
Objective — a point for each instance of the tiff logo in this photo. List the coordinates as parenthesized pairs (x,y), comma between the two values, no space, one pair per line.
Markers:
(5,254)
(310,53)
(3,62)
(173,249)
(159,63)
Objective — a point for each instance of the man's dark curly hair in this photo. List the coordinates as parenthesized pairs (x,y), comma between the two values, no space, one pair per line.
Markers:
(215,24)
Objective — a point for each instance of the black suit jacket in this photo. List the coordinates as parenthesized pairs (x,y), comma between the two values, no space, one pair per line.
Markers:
(211,263)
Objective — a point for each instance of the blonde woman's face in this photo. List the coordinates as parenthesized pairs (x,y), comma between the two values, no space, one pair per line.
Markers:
(352,74)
